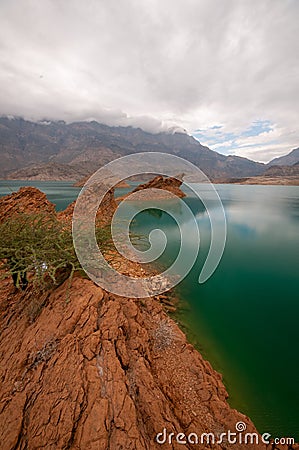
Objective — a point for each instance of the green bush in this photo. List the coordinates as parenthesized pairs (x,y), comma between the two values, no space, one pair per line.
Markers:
(42,247)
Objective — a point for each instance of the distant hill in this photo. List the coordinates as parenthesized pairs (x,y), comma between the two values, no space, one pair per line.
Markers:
(49,171)
(287,160)
(70,151)
(281,171)
(275,175)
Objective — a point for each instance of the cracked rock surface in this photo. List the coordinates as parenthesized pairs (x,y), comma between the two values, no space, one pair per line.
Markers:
(82,369)
(93,371)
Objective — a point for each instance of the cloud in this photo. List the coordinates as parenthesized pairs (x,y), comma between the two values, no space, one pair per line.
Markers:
(261,141)
(156,64)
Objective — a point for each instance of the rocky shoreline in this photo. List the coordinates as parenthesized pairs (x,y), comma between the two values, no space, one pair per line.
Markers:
(262,180)
(84,369)
(102,372)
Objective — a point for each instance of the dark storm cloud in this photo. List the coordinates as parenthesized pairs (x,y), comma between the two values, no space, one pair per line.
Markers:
(152,63)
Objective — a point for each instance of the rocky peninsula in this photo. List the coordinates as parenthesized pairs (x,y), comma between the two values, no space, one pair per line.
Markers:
(164,184)
(84,369)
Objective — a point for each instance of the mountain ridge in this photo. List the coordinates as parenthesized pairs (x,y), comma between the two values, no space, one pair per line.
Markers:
(286,160)
(286,170)
(86,146)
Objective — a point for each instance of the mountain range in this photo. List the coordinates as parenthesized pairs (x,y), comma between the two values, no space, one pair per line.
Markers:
(287,160)
(70,151)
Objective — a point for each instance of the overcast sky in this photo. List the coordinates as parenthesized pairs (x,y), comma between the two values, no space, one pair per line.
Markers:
(224,70)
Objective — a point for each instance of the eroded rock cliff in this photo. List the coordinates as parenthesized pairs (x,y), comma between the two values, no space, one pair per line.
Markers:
(86,370)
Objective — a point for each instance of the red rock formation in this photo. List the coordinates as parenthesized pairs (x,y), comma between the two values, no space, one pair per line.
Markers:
(105,212)
(32,200)
(82,369)
(102,372)
(26,200)
(169,184)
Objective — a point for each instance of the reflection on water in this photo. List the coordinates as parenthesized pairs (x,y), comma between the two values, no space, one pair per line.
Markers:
(245,318)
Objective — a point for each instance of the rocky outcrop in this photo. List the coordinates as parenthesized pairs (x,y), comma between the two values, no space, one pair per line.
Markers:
(31,200)
(170,184)
(166,184)
(105,212)
(26,200)
(82,369)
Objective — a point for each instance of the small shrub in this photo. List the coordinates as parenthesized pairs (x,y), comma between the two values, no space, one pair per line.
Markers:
(42,247)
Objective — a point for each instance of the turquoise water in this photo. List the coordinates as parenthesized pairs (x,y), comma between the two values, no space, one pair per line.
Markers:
(244,319)
(61,193)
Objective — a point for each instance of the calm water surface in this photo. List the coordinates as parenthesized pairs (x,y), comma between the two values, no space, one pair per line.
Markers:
(245,318)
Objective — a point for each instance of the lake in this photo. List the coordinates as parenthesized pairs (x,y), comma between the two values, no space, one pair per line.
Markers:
(244,319)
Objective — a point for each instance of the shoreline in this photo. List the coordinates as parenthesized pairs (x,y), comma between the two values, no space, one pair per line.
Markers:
(110,370)
(177,370)
(247,181)
(187,340)
(260,181)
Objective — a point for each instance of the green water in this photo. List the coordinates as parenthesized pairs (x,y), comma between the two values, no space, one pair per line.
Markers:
(61,193)
(245,318)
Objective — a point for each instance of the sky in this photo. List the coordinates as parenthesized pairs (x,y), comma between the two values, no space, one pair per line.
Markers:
(225,71)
